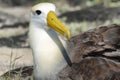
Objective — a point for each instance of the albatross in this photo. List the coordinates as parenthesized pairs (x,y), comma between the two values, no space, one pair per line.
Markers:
(50,53)
(52,60)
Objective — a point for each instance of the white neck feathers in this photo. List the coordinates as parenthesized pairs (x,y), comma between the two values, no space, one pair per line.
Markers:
(48,59)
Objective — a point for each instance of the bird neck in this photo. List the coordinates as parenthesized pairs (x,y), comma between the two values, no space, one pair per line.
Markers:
(47,55)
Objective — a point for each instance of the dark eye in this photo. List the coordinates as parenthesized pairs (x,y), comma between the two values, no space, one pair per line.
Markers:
(38,12)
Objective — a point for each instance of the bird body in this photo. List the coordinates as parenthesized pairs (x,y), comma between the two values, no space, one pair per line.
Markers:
(46,64)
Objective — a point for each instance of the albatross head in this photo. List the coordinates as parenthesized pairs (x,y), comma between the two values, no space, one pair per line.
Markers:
(44,14)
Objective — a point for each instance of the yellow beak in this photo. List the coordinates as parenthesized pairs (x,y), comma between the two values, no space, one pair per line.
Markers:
(55,24)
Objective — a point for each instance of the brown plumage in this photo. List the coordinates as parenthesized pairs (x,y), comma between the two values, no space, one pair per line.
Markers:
(97,55)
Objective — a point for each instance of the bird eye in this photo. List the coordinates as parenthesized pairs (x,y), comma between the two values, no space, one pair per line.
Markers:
(38,12)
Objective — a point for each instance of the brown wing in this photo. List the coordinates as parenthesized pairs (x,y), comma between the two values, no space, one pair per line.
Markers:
(97,55)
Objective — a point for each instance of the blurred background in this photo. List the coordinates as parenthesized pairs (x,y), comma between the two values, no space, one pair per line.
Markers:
(78,15)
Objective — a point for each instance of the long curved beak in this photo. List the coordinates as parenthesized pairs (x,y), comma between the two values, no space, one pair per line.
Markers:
(55,24)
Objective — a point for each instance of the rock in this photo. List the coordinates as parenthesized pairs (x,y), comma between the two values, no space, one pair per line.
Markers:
(7,20)
(13,30)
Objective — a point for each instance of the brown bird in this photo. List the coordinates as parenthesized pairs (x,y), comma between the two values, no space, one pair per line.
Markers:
(95,54)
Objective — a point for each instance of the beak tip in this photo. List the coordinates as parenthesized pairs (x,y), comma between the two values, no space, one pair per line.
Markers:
(68,35)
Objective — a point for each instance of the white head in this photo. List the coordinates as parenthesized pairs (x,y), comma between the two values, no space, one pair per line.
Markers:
(44,15)
(40,11)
